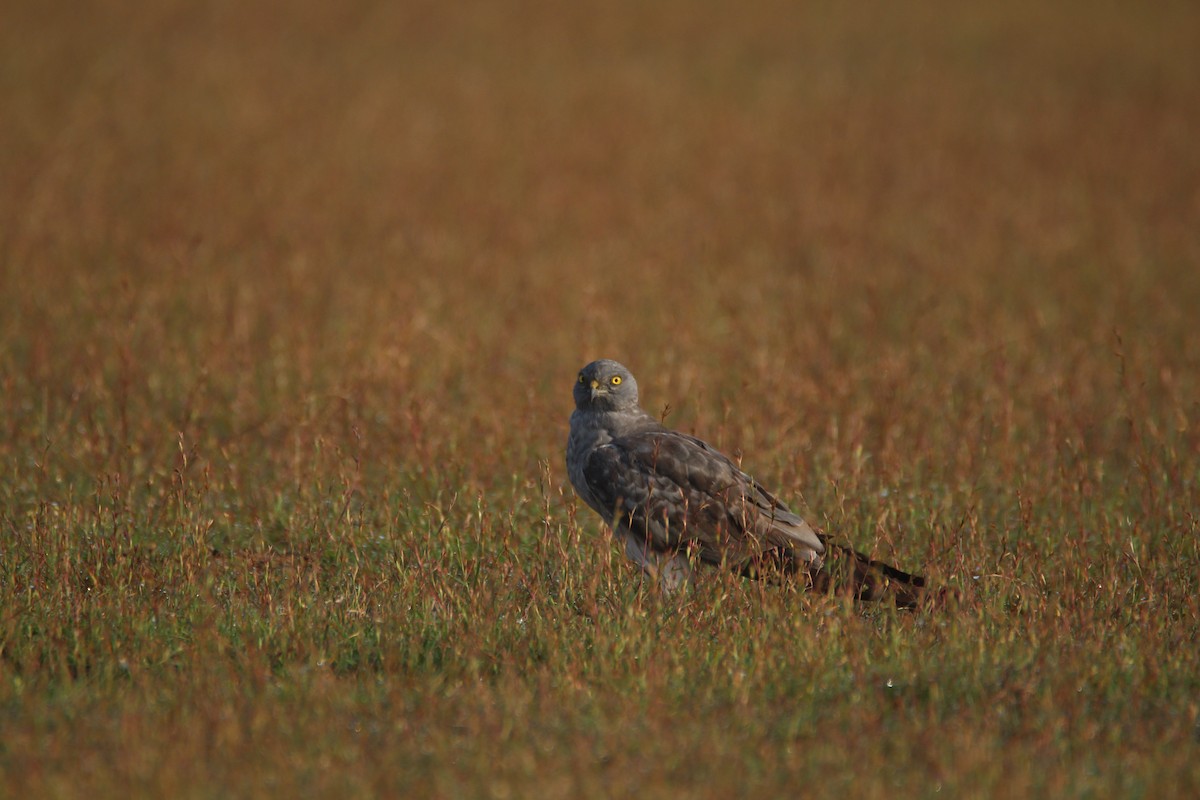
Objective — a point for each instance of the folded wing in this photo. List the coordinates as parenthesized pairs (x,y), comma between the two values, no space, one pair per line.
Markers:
(678,492)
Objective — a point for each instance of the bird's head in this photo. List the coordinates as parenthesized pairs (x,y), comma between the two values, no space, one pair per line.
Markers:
(605,385)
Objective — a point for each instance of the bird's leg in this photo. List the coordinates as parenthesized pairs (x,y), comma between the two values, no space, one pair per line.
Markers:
(672,570)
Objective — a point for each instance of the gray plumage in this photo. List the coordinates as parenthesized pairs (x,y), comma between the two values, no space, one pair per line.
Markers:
(668,495)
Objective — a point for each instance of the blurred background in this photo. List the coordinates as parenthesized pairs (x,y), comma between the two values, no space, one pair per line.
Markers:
(910,231)
(293,295)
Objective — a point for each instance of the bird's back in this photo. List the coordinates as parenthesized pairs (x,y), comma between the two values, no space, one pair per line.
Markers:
(676,491)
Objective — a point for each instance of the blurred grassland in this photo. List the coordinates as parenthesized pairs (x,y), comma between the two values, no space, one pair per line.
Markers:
(292,296)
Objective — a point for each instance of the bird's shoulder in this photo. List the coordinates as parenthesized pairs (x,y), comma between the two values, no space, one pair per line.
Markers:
(682,459)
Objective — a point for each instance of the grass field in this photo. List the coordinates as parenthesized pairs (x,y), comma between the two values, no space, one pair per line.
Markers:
(292,296)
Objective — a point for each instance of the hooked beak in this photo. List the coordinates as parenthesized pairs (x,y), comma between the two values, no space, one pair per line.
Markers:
(596,390)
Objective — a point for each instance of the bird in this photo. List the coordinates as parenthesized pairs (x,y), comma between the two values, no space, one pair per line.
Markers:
(673,499)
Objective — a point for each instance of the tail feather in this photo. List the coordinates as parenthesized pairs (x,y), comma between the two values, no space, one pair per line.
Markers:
(864,578)
(845,570)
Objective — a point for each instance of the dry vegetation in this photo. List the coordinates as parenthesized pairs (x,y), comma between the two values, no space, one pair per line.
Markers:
(292,299)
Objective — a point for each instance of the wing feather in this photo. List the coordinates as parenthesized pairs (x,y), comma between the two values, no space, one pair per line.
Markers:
(677,491)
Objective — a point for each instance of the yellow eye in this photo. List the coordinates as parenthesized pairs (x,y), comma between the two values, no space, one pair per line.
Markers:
(615,380)
(581,377)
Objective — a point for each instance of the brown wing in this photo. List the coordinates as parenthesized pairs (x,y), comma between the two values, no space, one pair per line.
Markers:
(677,491)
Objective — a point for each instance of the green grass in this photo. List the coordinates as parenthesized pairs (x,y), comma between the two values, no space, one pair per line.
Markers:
(292,299)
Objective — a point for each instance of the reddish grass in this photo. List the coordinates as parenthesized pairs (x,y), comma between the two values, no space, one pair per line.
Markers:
(293,299)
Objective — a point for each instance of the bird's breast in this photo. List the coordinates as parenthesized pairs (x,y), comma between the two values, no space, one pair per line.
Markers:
(587,435)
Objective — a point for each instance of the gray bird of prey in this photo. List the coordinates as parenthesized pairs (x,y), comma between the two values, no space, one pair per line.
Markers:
(672,498)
